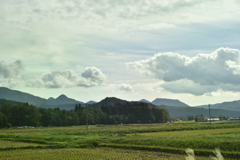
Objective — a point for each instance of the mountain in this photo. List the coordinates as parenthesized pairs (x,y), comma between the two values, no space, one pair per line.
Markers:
(169,102)
(145,101)
(62,99)
(63,102)
(232,106)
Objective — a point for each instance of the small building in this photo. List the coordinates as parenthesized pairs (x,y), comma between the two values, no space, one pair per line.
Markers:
(200,119)
(23,127)
(213,119)
(234,118)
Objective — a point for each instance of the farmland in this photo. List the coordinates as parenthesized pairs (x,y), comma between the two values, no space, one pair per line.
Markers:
(149,141)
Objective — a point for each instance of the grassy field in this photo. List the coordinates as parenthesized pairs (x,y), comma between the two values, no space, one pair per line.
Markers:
(152,141)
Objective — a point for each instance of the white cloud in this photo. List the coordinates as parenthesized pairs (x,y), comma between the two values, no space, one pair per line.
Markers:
(201,74)
(188,86)
(10,69)
(109,54)
(125,87)
(11,72)
(91,76)
(119,89)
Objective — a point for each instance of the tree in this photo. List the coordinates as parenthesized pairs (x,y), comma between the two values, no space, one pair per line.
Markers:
(73,119)
(76,108)
(4,121)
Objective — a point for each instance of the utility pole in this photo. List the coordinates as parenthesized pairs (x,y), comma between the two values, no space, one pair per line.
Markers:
(209,114)
(86,117)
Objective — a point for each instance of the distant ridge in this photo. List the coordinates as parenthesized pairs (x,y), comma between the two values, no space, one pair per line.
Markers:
(169,102)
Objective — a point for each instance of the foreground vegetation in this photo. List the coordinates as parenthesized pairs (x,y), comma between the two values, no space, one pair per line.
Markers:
(153,140)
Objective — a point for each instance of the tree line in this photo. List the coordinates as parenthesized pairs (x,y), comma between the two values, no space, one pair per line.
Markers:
(29,115)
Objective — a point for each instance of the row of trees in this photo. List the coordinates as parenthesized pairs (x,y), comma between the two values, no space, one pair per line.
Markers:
(29,115)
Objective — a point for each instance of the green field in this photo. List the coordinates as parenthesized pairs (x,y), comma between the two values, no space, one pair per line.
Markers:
(150,141)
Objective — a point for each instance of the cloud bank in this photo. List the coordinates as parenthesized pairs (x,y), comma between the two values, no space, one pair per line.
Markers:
(204,73)
(91,76)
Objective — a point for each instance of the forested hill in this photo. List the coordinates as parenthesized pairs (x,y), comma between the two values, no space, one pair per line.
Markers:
(112,101)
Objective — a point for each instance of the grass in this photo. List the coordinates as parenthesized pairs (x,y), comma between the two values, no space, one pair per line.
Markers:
(172,139)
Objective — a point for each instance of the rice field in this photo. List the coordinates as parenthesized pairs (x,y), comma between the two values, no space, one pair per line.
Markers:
(153,141)
(84,154)
(11,144)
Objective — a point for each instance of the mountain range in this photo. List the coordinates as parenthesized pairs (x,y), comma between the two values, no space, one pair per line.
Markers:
(62,102)
(175,107)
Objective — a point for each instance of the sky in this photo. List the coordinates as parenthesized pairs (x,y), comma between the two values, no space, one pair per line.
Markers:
(130,49)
